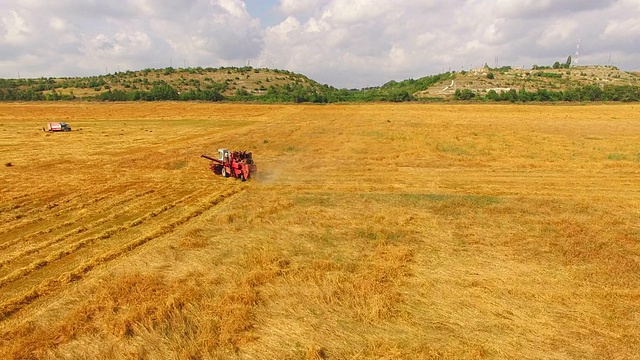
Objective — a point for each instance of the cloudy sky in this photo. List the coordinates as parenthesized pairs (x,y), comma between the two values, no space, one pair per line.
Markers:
(343,43)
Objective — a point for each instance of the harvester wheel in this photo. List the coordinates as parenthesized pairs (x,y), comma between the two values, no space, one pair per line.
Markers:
(224,172)
(242,177)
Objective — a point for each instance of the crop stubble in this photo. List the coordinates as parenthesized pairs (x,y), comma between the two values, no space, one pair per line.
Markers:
(435,231)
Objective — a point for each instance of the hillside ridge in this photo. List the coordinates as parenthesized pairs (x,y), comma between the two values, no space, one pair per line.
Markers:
(274,85)
(484,79)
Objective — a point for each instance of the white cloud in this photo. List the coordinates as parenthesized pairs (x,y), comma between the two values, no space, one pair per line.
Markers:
(298,7)
(345,43)
(133,33)
(381,40)
(57,24)
(219,32)
(629,29)
(236,9)
(16,28)
(548,8)
(355,12)
(397,56)
(557,32)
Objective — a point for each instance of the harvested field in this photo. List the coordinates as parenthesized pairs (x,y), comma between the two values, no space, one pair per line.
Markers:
(372,231)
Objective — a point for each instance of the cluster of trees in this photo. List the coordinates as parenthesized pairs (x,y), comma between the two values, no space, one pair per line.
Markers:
(32,95)
(624,93)
(556,65)
(137,86)
(47,84)
(295,92)
(393,91)
(160,93)
(298,93)
(299,89)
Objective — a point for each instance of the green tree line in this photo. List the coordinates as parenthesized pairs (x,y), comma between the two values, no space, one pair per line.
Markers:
(623,93)
(136,86)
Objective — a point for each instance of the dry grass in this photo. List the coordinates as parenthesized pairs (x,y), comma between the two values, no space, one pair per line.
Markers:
(372,231)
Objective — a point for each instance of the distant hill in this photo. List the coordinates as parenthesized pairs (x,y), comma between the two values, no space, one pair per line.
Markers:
(484,79)
(212,84)
(581,83)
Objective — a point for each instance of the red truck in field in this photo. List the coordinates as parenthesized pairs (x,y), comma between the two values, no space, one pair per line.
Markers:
(58,126)
(237,164)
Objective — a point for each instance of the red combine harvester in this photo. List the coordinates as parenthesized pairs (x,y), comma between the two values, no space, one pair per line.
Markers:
(237,164)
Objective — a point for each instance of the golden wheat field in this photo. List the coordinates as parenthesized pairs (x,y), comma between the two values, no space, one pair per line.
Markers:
(445,231)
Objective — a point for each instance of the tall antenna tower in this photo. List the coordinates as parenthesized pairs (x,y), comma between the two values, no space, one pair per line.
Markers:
(578,52)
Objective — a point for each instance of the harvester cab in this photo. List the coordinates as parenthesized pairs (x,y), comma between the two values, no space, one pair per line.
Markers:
(223,155)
